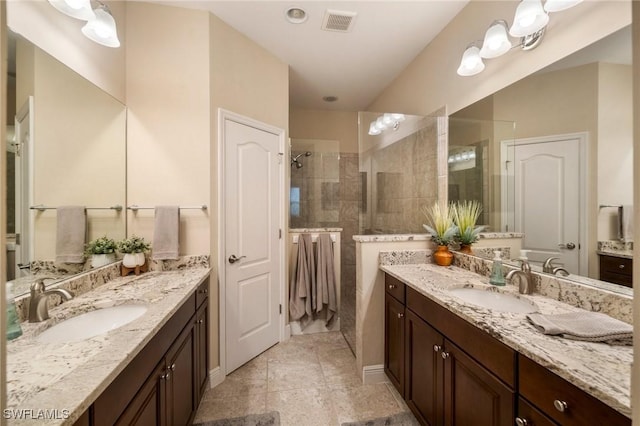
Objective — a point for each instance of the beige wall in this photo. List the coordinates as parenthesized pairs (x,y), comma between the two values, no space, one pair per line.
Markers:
(79,147)
(60,36)
(330,125)
(248,80)
(430,81)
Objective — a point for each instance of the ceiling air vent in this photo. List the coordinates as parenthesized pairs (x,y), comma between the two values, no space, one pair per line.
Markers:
(337,20)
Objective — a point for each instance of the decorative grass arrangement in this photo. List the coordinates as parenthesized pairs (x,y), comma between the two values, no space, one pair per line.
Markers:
(465,215)
(442,228)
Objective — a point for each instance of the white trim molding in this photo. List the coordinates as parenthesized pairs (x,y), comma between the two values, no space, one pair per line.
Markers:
(372,374)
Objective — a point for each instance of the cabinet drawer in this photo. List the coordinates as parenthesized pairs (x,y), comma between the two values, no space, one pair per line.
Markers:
(202,293)
(616,265)
(395,287)
(491,353)
(531,416)
(546,390)
(610,277)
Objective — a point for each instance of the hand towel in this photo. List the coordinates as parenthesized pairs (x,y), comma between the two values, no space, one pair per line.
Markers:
(325,277)
(71,231)
(588,326)
(302,280)
(166,233)
(625,216)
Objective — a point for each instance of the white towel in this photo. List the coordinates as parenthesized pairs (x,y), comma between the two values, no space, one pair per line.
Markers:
(302,280)
(166,233)
(589,326)
(625,215)
(325,278)
(71,231)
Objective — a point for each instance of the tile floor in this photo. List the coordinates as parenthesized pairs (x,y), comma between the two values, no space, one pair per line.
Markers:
(311,380)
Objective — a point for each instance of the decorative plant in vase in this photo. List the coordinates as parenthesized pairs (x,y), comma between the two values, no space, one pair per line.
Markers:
(133,249)
(442,230)
(102,251)
(465,216)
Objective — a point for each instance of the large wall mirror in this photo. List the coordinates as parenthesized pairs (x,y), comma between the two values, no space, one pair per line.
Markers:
(569,164)
(66,145)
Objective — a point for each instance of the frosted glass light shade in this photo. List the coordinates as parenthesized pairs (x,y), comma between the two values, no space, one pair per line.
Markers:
(496,42)
(102,29)
(79,9)
(530,17)
(471,63)
(373,129)
(559,5)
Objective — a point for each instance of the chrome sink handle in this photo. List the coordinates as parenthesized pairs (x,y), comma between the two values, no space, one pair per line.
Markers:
(548,266)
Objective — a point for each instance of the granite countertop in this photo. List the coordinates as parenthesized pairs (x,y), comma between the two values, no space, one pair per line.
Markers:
(625,254)
(71,376)
(599,369)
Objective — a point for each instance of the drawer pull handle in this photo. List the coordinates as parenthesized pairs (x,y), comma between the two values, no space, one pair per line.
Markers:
(437,348)
(621,266)
(200,321)
(400,315)
(444,355)
(521,422)
(392,286)
(173,367)
(560,405)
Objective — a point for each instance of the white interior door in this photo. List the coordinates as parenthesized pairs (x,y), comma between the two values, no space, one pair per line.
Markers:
(252,268)
(548,199)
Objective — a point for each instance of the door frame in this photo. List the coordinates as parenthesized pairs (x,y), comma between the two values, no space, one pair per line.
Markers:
(25,221)
(224,115)
(583,145)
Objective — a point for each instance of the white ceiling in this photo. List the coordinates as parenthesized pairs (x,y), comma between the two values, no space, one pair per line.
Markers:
(354,66)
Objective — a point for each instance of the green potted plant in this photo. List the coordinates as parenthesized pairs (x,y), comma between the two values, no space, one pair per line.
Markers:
(102,251)
(133,249)
(442,230)
(465,216)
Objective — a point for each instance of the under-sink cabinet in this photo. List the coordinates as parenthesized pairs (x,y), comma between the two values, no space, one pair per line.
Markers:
(450,372)
(617,270)
(164,383)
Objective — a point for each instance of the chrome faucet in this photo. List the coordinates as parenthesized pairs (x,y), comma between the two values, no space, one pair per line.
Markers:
(525,279)
(38,306)
(550,268)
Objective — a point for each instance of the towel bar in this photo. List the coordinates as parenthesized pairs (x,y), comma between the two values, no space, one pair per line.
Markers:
(314,238)
(42,208)
(606,206)
(136,208)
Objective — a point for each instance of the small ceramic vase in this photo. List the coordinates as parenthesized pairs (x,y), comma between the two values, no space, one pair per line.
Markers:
(98,260)
(443,256)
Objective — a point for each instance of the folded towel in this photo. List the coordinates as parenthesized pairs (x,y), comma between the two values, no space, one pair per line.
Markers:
(625,216)
(302,280)
(71,231)
(325,278)
(588,326)
(166,233)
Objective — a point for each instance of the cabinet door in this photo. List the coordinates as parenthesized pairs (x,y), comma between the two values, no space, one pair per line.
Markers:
(423,370)
(181,386)
(202,350)
(394,342)
(472,395)
(148,406)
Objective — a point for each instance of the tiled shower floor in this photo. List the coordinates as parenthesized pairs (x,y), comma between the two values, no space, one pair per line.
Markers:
(310,380)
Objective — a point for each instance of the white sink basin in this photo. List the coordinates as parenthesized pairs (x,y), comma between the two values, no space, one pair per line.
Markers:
(91,324)
(494,300)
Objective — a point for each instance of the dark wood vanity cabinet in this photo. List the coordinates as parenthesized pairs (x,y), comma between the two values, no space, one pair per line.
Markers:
(394,332)
(164,383)
(617,270)
(443,383)
(457,374)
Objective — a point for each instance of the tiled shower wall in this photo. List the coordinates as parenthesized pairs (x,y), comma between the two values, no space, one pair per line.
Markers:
(329,193)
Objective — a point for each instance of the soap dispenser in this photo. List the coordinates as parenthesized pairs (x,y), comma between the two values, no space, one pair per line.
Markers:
(13,321)
(497,276)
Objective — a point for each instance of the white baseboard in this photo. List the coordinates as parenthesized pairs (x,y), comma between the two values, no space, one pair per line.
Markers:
(216,376)
(373,374)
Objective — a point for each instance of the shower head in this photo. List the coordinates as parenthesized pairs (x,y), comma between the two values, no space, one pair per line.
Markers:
(295,160)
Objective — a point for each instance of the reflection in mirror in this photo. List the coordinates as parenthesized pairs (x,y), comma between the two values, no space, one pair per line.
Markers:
(569,166)
(66,147)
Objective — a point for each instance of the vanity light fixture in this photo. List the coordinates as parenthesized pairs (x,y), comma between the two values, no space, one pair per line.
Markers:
(496,41)
(79,9)
(471,63)
(102,29)
(384,122)
(529,25)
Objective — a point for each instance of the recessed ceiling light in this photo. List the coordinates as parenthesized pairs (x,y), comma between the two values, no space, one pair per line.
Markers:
(329,98)
(296,15)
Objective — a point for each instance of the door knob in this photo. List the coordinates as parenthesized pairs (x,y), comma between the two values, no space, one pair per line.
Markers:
(234,259)
(568,246)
